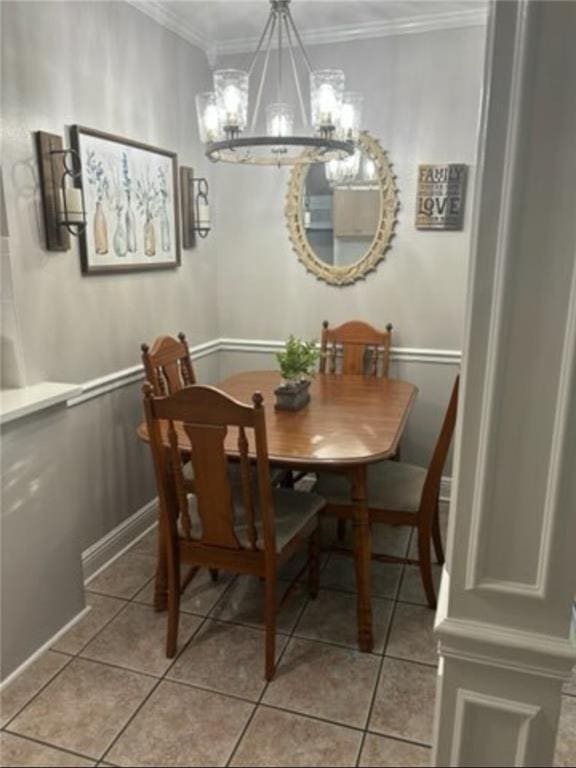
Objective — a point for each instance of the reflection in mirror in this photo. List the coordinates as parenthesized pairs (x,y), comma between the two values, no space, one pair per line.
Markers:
(341,208)
(341,215)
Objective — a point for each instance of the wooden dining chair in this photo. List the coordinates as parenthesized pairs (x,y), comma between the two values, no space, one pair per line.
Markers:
(355,348)
(402,494)
(167,364)
(168,367)
(238,523)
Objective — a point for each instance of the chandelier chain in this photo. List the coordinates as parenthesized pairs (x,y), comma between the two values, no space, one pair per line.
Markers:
(279,92)
(264,70)
(271,18)
(298,39)
(295,71)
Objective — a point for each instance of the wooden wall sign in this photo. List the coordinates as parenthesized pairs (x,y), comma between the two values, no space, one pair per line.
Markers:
(440,197)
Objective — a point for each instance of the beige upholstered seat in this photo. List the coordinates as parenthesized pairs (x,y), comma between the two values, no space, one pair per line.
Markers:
(391,485)
(293,510)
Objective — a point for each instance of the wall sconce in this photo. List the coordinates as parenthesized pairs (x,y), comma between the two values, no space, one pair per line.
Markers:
(62,202)
(195,207)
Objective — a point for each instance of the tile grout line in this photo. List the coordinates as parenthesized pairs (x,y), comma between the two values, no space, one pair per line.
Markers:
(402,739)
(204,619)
(71,658)
(38,692)
(259,701)
(383,656)
(163,676)
(102,628)
(147,697)
(35,740)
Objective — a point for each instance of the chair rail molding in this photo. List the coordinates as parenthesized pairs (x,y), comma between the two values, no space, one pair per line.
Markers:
(126,376)
(505,606)
(404,354)
(88,390)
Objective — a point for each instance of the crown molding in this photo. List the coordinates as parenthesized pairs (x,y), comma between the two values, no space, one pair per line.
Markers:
(162,15)
(407,25)
(368,30)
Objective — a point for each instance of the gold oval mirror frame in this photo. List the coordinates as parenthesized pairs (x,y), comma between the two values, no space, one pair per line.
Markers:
(384,229)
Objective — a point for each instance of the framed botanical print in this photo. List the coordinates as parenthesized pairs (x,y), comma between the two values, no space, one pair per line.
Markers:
(130,193)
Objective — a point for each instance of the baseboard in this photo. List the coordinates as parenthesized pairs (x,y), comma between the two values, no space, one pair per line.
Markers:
(107,549)
(43,648)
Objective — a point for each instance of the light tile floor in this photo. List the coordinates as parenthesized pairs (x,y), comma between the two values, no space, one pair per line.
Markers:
(107,695)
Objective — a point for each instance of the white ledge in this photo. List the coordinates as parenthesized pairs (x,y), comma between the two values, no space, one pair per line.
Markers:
(17,403)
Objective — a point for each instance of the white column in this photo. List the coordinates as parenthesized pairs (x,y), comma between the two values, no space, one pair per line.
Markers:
(504,615)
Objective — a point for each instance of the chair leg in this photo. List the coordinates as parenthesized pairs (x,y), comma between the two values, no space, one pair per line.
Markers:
(270,625)
(341,529)
(425,562)
(214,574)
(437,537)
(173,602)
(314,564)
(287,480)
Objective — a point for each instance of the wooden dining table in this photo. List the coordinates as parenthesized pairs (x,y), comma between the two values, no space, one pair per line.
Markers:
(350,422)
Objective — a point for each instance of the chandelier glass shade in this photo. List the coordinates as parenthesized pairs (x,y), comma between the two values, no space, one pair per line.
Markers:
(228,123)
(357,170)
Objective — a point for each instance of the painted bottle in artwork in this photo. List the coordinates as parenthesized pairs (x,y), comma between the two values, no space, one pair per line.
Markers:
(147,204)
(100,230)
(98,180)
(149,238)
(164,230)
(131,228)
(120,239)
(130,219)
(163,200)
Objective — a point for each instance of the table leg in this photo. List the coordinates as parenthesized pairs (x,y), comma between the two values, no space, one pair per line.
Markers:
(362,558)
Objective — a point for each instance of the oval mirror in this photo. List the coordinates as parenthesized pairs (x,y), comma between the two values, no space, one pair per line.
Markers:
(341,214)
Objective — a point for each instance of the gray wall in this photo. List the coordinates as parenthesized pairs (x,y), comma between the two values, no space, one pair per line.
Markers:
(72,475)
(107,66)
(422,102)
(75,474)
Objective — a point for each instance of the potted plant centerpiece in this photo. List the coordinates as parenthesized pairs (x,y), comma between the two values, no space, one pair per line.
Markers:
(297,363)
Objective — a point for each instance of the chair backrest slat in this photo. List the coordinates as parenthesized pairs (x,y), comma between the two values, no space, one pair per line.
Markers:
(211,484)
(204,415)
(355,348)
(175,460)
(435,468)
(167,364)
(246,484)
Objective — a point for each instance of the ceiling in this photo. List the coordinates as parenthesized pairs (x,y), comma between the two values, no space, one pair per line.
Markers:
(235,25)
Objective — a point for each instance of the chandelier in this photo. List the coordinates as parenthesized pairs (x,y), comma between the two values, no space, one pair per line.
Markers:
(335,114)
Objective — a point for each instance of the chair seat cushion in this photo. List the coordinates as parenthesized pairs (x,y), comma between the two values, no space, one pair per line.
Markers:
(292,511)
(392,485)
